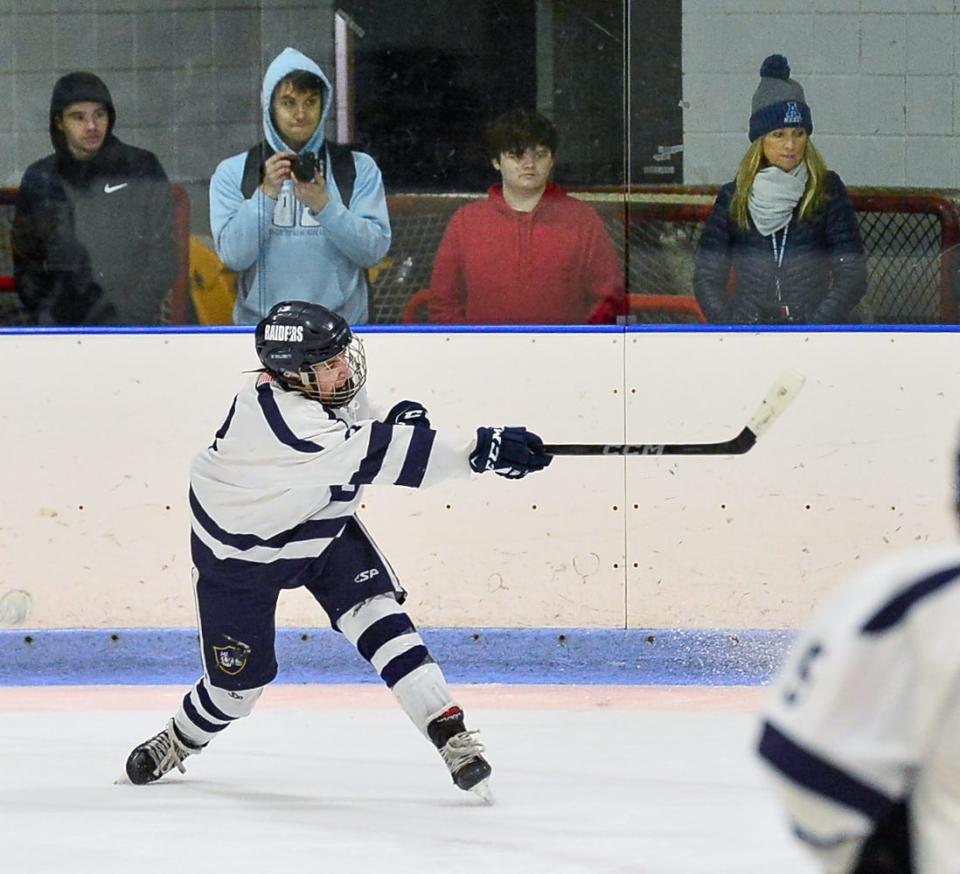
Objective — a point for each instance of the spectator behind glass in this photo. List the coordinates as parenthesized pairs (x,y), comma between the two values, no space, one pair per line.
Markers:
(527,254)
(784,228)
(292,238)
(93,230)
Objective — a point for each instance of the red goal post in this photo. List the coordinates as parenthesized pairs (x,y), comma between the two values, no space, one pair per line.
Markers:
(910,235)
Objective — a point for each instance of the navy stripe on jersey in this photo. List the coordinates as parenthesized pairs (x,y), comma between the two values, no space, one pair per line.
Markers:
(312,530)
(194,716)
(894,610)
(380,437)
(268,403)
(405,663)
(383,631)
(819,776)
(208,704)
(415,464)
(226,424)
(343,494)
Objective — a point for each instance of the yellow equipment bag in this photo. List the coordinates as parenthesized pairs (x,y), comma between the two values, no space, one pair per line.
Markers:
(213,287)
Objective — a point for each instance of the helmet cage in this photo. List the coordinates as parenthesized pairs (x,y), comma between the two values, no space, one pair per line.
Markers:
(298,342)
(308,379)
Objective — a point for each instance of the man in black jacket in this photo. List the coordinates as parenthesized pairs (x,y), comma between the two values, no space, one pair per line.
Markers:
(93,232)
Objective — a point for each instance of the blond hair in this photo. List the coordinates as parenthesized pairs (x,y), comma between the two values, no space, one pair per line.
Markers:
(814,194)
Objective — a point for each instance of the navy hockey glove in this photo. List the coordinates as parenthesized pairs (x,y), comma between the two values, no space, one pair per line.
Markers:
(509,452)
(408,413)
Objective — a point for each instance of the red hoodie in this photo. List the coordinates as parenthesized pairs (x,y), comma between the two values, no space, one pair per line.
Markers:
(498,266)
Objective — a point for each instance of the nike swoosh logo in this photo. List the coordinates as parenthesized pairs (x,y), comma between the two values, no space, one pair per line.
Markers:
(109,189)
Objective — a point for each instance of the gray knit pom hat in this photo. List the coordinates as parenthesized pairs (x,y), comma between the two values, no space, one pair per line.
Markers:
(778,101)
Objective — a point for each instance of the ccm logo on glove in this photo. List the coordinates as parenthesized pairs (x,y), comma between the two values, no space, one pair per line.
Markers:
(510,452)
(408,413)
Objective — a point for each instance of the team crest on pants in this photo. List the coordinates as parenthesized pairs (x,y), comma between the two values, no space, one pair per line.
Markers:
(232,659)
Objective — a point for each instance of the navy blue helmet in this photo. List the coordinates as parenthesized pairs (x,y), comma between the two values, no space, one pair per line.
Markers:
(297,340)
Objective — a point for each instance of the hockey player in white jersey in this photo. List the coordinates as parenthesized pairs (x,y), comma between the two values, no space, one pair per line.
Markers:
(273,502)
(861,731)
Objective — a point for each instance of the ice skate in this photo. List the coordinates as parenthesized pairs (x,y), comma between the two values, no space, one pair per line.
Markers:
(155,757)
(462,752)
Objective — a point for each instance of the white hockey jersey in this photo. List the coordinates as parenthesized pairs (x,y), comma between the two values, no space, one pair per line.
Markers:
(284,474)
(865,714)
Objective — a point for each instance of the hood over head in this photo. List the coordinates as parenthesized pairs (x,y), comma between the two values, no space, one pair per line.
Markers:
(288,61)
(74,88)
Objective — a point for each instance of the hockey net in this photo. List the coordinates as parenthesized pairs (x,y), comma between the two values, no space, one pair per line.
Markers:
(910,236)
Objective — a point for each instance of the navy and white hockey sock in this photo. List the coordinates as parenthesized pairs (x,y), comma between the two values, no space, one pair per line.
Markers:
(385,636)
(207,710)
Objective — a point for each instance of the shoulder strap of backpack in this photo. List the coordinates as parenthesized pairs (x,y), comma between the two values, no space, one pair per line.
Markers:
(345,172)
(253,169)
(344,169)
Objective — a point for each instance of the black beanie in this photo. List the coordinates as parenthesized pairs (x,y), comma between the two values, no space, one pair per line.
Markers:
(74,88)
(778,101)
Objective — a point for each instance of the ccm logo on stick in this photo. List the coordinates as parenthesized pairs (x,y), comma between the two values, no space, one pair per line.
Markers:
(363,576)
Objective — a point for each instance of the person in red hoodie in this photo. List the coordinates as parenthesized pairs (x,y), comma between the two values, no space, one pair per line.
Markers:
(528,254)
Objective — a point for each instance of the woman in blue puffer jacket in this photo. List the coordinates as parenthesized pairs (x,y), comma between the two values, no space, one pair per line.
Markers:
(782,243)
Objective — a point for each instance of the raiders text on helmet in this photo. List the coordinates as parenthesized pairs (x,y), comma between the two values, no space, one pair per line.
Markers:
(297,341)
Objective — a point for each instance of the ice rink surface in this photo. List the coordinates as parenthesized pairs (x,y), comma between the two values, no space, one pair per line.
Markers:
(647,780)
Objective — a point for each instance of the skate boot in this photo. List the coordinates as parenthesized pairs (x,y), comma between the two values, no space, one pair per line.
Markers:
(155,757)
(462,752)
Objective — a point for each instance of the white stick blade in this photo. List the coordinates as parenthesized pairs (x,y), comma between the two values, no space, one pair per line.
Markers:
(781,393)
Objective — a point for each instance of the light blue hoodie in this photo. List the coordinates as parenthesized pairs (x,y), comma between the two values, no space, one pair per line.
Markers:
(280,249)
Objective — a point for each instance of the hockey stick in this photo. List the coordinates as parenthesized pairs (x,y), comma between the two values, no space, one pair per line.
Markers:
(778,398)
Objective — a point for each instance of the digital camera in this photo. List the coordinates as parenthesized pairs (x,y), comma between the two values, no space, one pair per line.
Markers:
(304,167)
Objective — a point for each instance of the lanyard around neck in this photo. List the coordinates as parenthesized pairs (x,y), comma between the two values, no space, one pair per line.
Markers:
(778,252)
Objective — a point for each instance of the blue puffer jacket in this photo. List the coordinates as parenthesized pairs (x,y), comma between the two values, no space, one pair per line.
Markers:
(822,276)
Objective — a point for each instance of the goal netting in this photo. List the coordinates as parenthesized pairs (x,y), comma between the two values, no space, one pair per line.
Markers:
(910,236)
(910,239)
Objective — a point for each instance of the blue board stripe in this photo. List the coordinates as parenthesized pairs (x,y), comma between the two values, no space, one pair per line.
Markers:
(672,657)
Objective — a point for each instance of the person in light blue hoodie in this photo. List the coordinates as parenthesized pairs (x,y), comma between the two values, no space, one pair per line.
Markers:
(297,217)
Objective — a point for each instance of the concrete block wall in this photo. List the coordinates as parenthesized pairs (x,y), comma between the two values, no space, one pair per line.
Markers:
(880,77)
(185,75)
(879,74)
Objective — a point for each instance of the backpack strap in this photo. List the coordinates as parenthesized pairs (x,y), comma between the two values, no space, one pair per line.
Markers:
(253,169)
(344,169)
(341,165)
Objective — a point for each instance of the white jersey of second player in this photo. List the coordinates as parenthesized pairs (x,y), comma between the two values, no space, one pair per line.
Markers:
(284,473)
(865,715)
